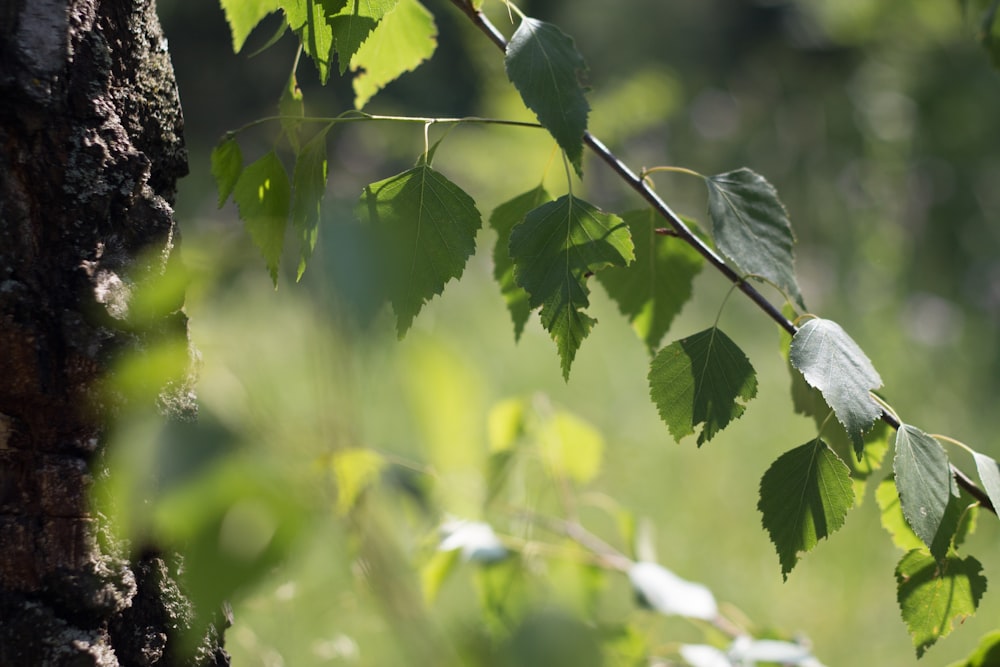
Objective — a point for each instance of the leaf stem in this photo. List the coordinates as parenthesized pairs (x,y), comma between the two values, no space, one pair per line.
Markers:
(675,170)
(353,116)
(643,189)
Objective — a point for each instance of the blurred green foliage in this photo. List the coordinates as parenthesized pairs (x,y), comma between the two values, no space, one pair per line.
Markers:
(874,119)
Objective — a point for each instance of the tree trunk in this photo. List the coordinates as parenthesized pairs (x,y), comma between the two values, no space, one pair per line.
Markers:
(90,151)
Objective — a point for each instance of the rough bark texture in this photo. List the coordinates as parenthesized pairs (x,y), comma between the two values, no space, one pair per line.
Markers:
(90,150)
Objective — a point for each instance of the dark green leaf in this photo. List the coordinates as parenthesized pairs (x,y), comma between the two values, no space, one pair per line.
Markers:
(227,163)
(751,228)
(932,595)
(352,25)
(291,109)
(925,484)
(264,196)
(244,15)
(989,473)
(310,186)
(804,497)
(545,67)
(833,363)
(554,249)
(700,380)
(987,654)
(654,288)
(427,227)
(405,37)
(503,220)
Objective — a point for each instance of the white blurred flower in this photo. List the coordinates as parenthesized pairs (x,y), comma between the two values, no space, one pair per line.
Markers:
(668,594)
(746,651)
(700,655)
(476,539)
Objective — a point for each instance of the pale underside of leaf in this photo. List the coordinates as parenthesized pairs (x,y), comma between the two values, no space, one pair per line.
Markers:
(833,363)
(751,227)
(924,481)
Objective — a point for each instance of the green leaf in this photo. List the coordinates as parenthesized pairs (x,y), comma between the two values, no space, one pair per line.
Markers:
(751,228)
(700,380)
(310,185)
(545,67)
(989,32)
(804,497)
(505,424)
(227,163)
(436,570)
(503,220)
(427,227)
(352,25)
(406,37)
(570,447)
(891,516)
(354,471)
(554,249)
(924,481)
(933,595)
(652,290)
(308,18)
(244,15)
(989,474)
(833,363)
(263,196)
(987,654)
(291,109)
(958,522)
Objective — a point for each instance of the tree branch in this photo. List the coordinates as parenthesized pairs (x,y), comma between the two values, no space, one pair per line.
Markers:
(639,185)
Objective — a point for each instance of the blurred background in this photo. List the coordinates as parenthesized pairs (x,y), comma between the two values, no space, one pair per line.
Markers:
(876,120)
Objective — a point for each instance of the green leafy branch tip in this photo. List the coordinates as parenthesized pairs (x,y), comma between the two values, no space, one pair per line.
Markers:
(640,185)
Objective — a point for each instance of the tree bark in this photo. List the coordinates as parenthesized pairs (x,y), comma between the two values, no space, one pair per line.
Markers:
(90,150)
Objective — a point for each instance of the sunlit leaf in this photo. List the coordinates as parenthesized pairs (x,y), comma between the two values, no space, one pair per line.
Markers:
(933,595)
(554,249)
(427,228)
(958,522)
(263,196)
(571,447)
(652,290)
(406,37)
(662,590)
(751,227)
(892,519)
(545,67)
(308,18)
(804,497)
(832,362)
(925,483)
(987,654)
(505,424)
(244,15)
(227,163)
(434,572)
(354,471)
(702,379)
(352,25)
(504,218)
(309,180)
